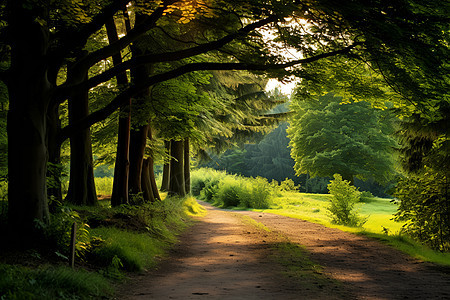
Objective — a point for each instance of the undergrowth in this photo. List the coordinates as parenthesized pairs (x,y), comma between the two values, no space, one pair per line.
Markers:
(113,241)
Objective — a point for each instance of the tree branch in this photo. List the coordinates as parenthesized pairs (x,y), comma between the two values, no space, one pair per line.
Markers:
(72,39)
(161,57)
(130,37)
(103,113)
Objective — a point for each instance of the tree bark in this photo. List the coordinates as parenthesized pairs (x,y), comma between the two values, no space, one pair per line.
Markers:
(166,169)
(54,168)
(187,166)
(121,168)
(151,169)
(29,95)
(146,181)
(177,183)
(138,141)
(81,185)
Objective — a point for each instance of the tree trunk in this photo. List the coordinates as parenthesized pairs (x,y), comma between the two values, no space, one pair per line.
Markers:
(29,95)
(177,183)
(153,179)
(138,141)
(121,167)
(166,169)
(187,166)
(81,185)
(54,168)
(146,182)
(138,136)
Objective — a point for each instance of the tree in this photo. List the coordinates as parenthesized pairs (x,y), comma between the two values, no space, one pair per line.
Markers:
(329,137)
(47,36)
(423,192)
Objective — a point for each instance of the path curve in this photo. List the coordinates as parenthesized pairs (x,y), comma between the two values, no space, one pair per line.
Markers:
(220,257)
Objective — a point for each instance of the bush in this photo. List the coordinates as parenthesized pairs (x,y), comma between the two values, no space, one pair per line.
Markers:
(231,190)
(288,185)
(260,193)
(343,200)
(228,192)
(424,205)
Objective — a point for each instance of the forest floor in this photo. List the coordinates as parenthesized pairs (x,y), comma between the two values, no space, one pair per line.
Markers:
(225,256)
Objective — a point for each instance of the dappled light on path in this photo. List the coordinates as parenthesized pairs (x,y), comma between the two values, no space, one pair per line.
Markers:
(371,269)
(220,258)
(223,257)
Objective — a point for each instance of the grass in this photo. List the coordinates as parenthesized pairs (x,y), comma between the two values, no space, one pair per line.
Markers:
(127,238)
(49,282)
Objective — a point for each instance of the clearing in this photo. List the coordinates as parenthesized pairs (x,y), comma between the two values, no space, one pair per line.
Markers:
(225,256)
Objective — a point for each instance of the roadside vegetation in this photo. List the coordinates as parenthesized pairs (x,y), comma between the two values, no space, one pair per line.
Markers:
(284,199)
(110,244)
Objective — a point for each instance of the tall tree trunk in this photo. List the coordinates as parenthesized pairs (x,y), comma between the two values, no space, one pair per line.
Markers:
(138,141)
(29,96)
(54,169)
(139,132)
(121,167)
(81,185)
(177,183)
(151,169)
(187,166)
(146,182)
(166,169)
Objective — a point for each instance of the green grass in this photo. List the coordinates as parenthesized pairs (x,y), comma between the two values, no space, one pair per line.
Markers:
(130,239)
(313,207)
(136,251)
(48,282)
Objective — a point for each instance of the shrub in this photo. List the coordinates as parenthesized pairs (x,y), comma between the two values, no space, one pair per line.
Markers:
(261,193)
(424,205)
(288,185)
(343,200)
(228,192)
(231,190)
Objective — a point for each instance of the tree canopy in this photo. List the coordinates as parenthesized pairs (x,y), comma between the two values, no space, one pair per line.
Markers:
(350,139)
(53,51)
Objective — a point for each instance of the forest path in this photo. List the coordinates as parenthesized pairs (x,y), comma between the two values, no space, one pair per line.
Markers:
(224,257)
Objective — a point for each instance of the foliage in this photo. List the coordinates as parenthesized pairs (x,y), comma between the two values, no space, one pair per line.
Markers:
(342,203)
(288,185)
(121,247)
(137,235)
(58,232)
(227,190)
(424,205)
(423,194)
(103,185)
(269,158)
(351,139)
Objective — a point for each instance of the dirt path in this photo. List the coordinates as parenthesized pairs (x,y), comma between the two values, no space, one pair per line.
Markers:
(221,257)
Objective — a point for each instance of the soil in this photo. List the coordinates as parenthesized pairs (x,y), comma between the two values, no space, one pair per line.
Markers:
(223,256)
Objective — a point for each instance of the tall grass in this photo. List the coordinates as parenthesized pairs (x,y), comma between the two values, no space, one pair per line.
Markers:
(227,190)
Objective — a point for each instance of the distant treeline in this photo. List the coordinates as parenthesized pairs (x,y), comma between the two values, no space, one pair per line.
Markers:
(271,159)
